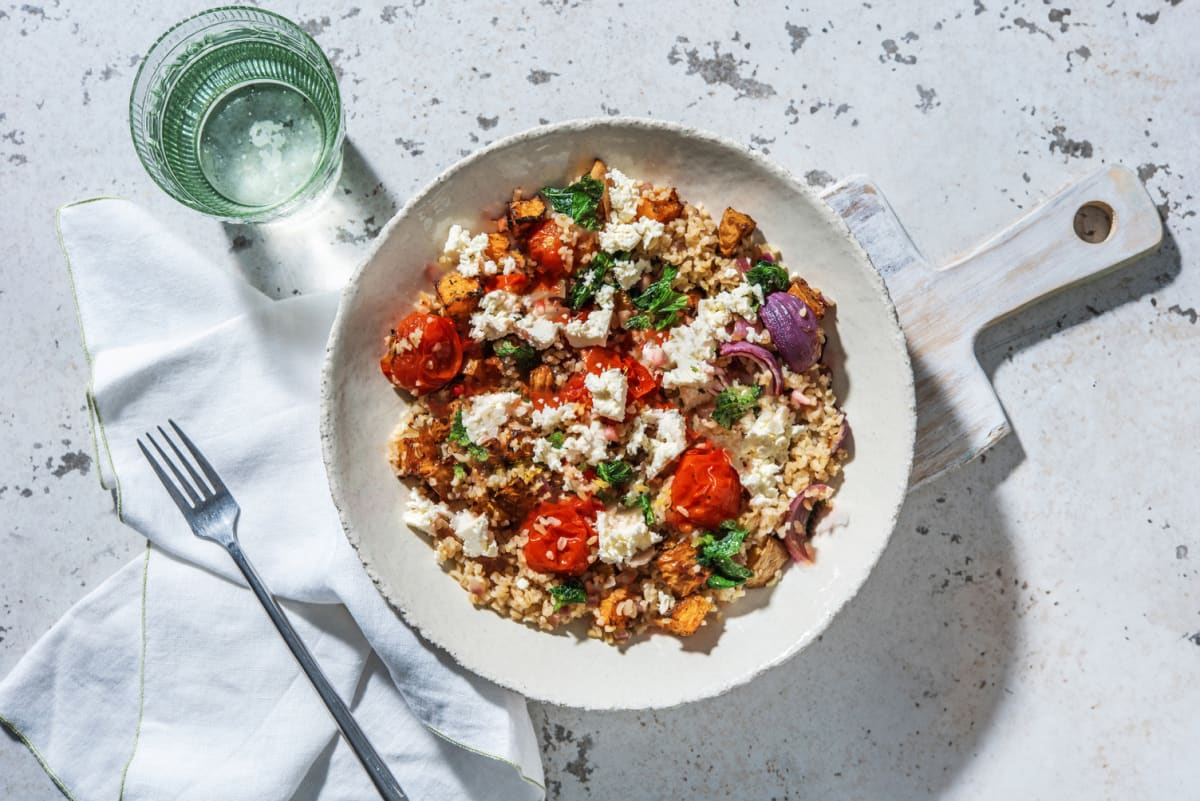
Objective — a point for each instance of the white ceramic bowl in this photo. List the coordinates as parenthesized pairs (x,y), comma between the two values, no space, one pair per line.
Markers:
(759,631)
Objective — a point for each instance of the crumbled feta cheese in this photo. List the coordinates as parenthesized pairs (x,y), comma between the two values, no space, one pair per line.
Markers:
(763,452)
(587,444)
(467,249)
(540,331)
(472,529)
(551,418)
(619,236)
(606,296)
(628,271)
(622,534)
(508,265)
(583,445)
(497,315)
(591,332)
(692,346)
(424,514)
(487,413)
(668,440)
(522,583)
(623,197)
(608,393)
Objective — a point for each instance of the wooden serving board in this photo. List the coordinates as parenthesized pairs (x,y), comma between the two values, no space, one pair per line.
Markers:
(1092,226)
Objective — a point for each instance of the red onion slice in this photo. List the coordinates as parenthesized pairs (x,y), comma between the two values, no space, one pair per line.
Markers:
(845,438)
(743,264)
(760,356)
(793,328)
(799,518)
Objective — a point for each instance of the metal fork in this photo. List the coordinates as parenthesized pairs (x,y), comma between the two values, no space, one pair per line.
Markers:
(213,515)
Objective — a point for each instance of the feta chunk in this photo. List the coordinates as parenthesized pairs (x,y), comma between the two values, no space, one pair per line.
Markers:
(622,534)
(763,452)
(668,440)
(497,315)
(472,529)
(623,197)
(424,514)
(583,445)
(608,393)
(628,271)
(540,331)
(466,249)
(692,346)
(591,332)
(486,414)
(642,232)
(551,418)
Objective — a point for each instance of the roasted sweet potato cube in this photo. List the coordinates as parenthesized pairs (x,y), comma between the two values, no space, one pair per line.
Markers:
(459,294)
(662,209)
(524,213)
(599,172)
(679,569)
(811,297)
(766,559)
(734,227)
(541,379)
(687,616)
(497,246)
(607,613)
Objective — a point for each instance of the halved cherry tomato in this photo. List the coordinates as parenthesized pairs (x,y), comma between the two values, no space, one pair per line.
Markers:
(641,381)
(511,282)
(423,353)
(544,246)
(558,533)
(706,491)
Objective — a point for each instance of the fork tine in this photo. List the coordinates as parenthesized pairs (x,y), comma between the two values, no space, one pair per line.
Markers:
(198,482)
(209,472)
(183,482)
(169,485)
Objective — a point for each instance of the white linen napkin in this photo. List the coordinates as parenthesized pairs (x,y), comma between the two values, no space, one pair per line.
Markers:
(168,681)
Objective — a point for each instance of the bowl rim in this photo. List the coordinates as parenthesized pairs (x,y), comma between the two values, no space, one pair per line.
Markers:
(349,292)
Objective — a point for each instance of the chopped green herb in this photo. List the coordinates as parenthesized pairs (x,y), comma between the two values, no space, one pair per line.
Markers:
(570,593)
(523,355)
(647,511)
(616,472)
(458,435)
(721,583)
(584,290)
(557,438)
(659,303)
(460,472)
(578,201)
(733,402)
(769,276)
(718,554)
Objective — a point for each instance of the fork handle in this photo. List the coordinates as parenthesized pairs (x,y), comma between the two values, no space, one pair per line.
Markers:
(383,779)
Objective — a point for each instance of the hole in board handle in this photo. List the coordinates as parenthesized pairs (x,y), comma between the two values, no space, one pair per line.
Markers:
(1094,222)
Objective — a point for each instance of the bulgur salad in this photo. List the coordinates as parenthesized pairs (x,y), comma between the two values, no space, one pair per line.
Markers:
(618,409)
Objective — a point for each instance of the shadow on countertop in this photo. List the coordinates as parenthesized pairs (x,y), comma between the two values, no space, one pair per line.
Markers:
(318,248)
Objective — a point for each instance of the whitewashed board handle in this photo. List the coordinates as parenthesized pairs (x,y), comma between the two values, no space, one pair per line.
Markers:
(942,311)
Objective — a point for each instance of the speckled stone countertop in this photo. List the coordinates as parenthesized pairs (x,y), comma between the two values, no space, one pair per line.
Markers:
(1033,631)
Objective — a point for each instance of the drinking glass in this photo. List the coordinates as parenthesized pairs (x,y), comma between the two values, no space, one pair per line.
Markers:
(236,113)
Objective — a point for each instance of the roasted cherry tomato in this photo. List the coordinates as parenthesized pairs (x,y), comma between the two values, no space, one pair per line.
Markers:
(558,533)
(706,490)
(641,381)
(423,353)
(544,246)
(512,282)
